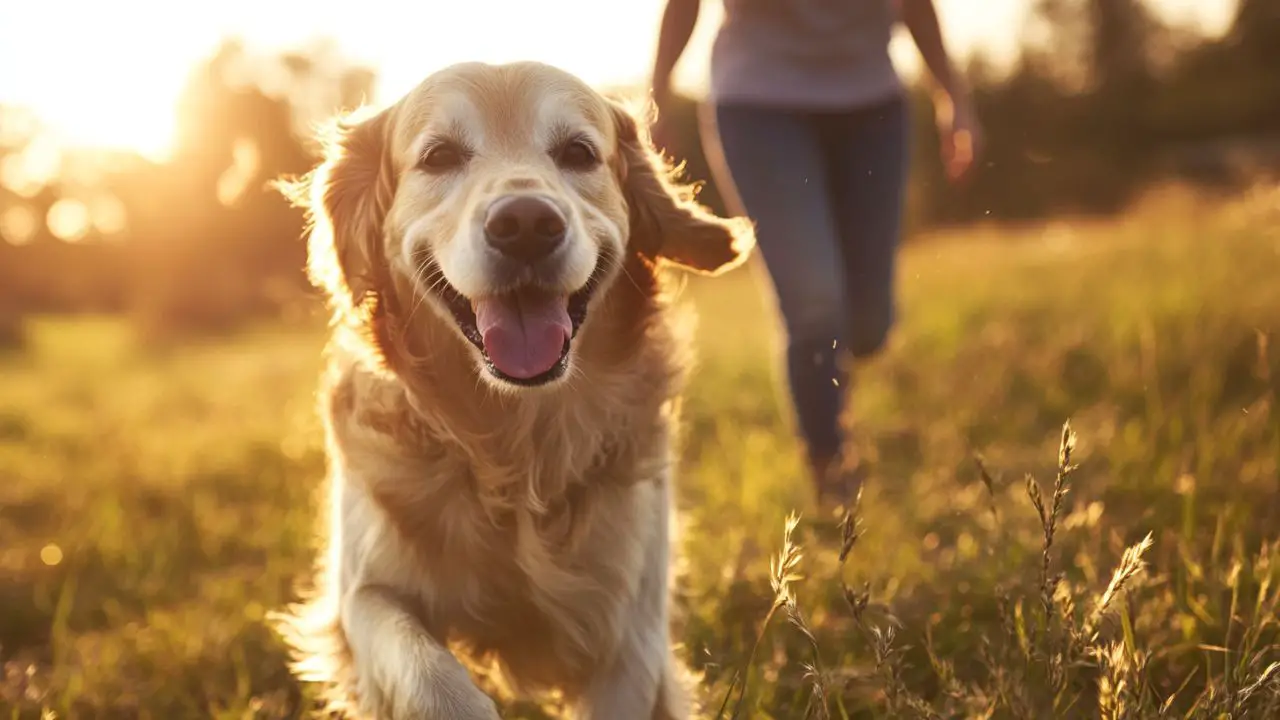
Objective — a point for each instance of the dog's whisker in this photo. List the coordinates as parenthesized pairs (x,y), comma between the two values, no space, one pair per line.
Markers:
(631,279)
(421,300)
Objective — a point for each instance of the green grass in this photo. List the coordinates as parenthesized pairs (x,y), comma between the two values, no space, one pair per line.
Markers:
(155,504)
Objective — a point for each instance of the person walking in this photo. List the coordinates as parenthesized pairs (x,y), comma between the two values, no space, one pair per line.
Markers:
(811,140)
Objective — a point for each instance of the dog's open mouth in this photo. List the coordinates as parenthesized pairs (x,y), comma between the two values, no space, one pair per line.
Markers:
(525,333)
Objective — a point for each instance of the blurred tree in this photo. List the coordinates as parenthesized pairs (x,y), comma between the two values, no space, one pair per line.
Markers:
(1255,35)
(220,245)
(205,242)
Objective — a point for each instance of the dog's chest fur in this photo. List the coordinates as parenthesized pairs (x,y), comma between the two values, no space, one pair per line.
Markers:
(545,594)
(531,558)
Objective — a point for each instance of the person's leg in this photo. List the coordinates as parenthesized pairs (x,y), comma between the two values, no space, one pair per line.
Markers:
(867,155)
(770,163)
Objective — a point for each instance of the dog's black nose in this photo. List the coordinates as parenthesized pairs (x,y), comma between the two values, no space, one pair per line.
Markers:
(524,227)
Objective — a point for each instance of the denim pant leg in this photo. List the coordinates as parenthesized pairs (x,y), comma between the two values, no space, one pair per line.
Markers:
(868,162)
(773,158)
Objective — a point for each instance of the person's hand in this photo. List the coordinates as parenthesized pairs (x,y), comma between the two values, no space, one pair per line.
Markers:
(662,131)
(960,137)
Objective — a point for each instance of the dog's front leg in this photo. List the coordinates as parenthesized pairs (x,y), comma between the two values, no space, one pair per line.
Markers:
(644,680)
(402,672)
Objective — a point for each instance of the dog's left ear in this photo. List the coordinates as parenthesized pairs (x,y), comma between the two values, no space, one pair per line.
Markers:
(666,222)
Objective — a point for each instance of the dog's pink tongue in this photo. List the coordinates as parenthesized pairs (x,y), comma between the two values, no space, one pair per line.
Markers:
(524,333)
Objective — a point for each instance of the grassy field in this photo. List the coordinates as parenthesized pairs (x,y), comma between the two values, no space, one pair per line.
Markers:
(155,505)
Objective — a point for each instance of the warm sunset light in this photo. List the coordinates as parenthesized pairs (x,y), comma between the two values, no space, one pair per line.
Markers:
(112,78)
(938,382)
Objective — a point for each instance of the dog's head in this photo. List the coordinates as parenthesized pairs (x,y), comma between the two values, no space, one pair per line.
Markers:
(506,198)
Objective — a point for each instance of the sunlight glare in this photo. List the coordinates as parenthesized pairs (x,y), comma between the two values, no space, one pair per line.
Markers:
(68,219)
(27,171)
(109,75)
(109,215)
(102,81)
(18,225)
(51,554)
(244,168)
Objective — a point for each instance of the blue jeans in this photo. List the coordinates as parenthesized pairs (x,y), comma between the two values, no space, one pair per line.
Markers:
(826,191)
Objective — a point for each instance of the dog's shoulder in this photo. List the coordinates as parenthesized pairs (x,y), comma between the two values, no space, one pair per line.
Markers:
(364,405)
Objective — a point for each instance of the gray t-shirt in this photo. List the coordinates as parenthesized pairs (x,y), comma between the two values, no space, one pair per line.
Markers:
(804,53)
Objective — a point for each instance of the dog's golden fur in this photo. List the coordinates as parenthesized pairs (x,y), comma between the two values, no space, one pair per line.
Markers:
(473,520)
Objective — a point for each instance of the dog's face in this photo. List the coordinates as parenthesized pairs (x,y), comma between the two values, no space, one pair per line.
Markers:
(508,197)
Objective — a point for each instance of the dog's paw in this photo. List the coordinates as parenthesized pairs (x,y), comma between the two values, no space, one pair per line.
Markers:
(425,694)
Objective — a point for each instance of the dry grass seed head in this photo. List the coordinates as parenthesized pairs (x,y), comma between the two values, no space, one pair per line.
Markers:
(1131,564)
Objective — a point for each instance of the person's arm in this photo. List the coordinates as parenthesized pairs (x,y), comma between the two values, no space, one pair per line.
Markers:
(678,20)
(921,19)
(960,134)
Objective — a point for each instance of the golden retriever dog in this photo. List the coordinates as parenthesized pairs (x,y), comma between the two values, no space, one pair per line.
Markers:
(500,400)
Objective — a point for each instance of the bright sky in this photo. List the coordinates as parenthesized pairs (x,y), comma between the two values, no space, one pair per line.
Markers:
(108,74)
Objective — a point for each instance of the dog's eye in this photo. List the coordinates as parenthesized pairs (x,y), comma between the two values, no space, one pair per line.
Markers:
(577,154)
(442,157)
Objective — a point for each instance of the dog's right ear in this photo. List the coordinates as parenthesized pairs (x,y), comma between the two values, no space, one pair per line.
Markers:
(347,198)
(667,223)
